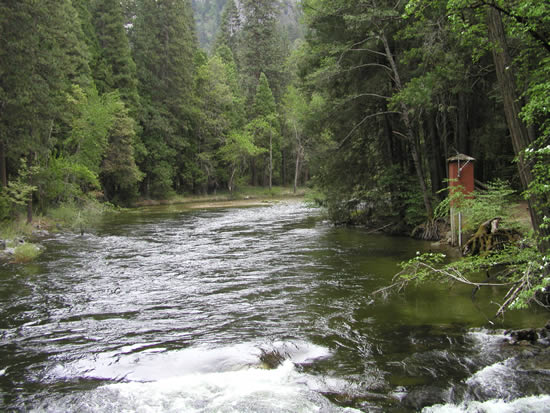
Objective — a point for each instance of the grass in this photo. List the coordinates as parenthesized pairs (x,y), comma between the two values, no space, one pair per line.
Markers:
(78,217)
(10,230)
(26,252)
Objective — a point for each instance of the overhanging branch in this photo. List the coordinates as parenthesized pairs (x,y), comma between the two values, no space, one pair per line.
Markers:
(360,123)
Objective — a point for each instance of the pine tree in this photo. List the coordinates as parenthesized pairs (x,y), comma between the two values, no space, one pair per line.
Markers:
(119,173)
(115,54)
(42,54)
(264,102)
(230,28)
(261,49)
(214,119)
(264,126)
(237,114)
(114,72)
(164,46)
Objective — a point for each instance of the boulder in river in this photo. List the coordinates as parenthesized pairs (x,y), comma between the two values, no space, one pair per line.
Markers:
(526,336)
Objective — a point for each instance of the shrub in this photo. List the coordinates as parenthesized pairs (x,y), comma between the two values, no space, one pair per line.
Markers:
(26,252)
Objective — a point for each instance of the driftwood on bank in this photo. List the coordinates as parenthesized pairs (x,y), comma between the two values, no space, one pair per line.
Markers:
(489,237)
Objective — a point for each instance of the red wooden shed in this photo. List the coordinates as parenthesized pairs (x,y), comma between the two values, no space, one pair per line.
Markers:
(461,172)
(461,175)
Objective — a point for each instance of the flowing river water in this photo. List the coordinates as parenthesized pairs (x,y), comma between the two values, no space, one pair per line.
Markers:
(167,309)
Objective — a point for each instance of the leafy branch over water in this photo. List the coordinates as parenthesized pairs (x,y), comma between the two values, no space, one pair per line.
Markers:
(524,271)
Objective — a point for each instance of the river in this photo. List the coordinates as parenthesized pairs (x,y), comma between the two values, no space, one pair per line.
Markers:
(166,309)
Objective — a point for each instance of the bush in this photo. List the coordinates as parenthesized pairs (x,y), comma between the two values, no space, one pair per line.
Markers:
(79,216)
(26,252)
(494,202)
(12,229)
(5,207)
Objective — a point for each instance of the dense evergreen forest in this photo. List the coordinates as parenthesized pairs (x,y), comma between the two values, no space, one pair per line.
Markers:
(208,17)
(116,99)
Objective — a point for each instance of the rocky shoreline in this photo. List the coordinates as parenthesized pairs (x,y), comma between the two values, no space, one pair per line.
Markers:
(22,248)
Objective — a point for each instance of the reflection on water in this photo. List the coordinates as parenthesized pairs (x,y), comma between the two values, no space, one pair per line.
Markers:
(165,310)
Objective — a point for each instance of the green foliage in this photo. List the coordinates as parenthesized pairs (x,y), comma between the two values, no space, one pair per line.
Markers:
(537,109)
(93,117)
(63,180)
(264,102)
(26,252)
(119,174)
(19,191)
(113,54)
(236,151)
(164,50)
(41,55)
(494,202)
(5,206)
(230,27)
(539,188)
(261,47)
(522,270)
(79,215)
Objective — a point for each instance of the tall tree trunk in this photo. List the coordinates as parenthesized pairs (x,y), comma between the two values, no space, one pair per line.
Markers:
(436,165)
(413,143)
(253,173)
(29,204)
(230,185)
(3,173)
(299,151)
(270,161)
(283,167)
(462,124)
(518,131)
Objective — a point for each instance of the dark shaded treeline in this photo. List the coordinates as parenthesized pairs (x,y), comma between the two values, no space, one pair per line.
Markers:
(410,84)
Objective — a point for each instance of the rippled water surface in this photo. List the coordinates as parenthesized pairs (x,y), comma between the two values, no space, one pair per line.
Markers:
(172,310)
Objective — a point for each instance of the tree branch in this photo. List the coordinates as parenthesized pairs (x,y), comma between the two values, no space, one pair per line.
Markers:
(520,19)
(367,65)
(360,123)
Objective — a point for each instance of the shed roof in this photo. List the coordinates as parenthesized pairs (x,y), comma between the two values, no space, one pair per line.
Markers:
(461,158)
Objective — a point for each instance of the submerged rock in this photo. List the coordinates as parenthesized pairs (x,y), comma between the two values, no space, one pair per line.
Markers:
(530,336)
(273,358)
(424,396)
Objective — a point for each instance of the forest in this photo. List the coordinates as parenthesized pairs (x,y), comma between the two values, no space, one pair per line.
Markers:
(364,100)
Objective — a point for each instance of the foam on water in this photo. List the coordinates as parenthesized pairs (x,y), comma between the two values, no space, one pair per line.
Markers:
(149,363)
(496,387)
(248,390)
(226,379)
(495,381)
(533,404)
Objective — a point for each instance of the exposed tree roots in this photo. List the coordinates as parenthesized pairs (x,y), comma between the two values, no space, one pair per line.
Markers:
(489,237)
(429,231)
